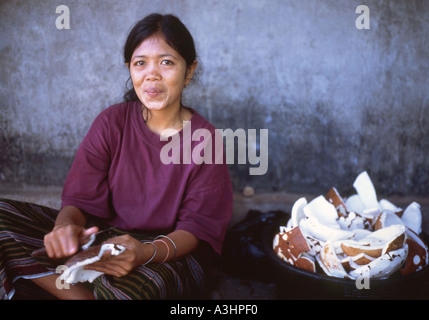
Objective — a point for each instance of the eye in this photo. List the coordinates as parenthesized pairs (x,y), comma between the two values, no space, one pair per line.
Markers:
(167,62)
(139,63)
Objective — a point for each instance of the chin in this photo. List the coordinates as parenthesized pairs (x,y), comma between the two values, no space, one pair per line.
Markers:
(153,106)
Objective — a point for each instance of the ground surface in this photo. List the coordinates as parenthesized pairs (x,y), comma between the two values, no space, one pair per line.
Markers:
(225,285)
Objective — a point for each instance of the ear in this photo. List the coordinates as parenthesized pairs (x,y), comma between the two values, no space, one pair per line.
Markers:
(128,65)
(190,72)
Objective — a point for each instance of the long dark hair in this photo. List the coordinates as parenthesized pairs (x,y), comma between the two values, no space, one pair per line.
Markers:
(175,33)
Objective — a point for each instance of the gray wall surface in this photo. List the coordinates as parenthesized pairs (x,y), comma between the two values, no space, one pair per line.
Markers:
(336,99)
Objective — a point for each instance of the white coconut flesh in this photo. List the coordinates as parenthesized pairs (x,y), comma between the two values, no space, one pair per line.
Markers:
(387,205)
(383,266)
(412,217)
(366,191)
(387,218)
(75,271)
(330,262)
(297,211)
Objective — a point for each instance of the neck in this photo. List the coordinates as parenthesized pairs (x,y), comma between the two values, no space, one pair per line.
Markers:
(159,121)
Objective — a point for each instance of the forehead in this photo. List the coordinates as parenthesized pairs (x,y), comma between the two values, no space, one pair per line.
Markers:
(155,45)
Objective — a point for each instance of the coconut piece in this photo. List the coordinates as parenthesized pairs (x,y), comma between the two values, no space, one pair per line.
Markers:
(348,264)
(371,213)
(387,218)
(383,266)
(334,197)
(287,227)
(354,203)
(322,210)
(276,240)
(330,262)
(306,262)
(412,217)
(359,234)
(366,191)
(291,246)
(304,227)
(354,221)
(297,212)
(353,248)
(314,244)
(357,261)
(376,243)
(321,221)
(387,205)
(418,256)
(362,259)
(296,242)
(352,263)
(90,241)
(75,265)
(326,232)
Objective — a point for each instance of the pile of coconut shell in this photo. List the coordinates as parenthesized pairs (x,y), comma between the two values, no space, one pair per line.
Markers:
(355,237)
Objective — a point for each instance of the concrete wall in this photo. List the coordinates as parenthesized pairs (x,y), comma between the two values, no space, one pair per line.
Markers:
(336,100)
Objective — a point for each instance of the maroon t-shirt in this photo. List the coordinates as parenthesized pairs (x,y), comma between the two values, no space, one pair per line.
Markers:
(118,175)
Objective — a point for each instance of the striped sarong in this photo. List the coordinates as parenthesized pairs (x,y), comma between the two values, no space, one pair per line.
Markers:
(22,228)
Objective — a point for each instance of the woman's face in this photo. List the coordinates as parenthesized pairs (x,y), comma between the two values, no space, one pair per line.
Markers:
(159,74)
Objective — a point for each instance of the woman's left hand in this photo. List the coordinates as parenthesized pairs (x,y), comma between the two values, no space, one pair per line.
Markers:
(136,253)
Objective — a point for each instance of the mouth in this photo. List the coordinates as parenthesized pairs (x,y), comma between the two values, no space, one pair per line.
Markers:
(153,92)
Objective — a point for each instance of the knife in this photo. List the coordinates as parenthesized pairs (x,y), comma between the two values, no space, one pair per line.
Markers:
(91,238)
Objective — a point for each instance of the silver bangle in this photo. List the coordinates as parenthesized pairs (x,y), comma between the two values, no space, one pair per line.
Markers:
(154,253)
(172,242)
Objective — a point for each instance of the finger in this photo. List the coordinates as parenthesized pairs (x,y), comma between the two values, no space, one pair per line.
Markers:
(69,242)
(89,231)
(50,251)
(53,248)
(86,237)
(65,241)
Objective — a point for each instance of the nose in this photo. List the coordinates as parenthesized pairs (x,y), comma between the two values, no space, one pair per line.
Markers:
(152,73)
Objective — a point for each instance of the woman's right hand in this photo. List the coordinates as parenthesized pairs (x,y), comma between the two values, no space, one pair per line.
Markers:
(64,240)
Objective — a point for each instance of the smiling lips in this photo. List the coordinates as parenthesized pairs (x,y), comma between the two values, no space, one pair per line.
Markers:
(153,92)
